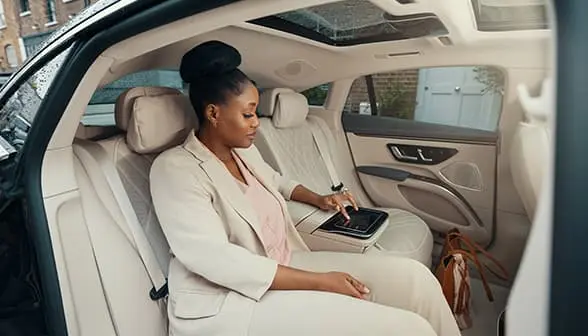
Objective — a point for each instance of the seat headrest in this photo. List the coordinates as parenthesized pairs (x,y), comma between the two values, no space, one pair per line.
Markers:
(286,107)
(154,118)
(541,107)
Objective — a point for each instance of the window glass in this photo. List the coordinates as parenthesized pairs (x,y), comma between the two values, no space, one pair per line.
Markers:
(18,114)
(11,56)
(353,22)
(51,17)
(2,17)
(506,15)
(24,6)
(100,111)
(317,95)
(468,97)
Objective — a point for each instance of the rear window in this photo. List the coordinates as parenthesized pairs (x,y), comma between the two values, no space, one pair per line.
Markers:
(100,110)
(317,95)
(353,22)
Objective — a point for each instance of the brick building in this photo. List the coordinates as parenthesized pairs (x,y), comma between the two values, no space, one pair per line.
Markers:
(396,93)
(11,55)
(39,18)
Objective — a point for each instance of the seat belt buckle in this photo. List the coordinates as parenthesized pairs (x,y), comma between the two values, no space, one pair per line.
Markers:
(337,188)
(158,294)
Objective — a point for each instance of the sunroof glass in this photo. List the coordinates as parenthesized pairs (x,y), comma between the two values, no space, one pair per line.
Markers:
(353,22)
(508,15)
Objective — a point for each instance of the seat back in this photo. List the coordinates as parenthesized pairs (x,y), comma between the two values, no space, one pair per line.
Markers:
(150,120)
(285,140)
(529,154)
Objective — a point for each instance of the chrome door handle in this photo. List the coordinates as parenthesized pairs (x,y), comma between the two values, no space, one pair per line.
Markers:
(400,155)
(420,151)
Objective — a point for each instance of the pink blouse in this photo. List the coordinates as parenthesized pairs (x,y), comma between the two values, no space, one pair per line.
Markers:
(269,212)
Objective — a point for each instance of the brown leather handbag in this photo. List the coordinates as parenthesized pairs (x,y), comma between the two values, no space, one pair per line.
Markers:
(459,252)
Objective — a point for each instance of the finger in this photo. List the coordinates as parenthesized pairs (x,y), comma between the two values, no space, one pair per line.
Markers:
(342,210)
(353,291)
(360,286)
(352,200)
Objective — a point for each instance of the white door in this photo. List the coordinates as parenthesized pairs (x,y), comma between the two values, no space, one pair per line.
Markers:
(454,96)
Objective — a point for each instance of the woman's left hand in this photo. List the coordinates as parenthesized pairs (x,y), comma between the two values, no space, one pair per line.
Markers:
(336,202)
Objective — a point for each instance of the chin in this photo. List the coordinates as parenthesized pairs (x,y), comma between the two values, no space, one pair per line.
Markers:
(246,143)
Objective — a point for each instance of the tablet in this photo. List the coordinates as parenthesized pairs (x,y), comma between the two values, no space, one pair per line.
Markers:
(363,223)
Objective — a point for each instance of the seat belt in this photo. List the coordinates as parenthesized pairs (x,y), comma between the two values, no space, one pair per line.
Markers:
(92,152)
(322,144)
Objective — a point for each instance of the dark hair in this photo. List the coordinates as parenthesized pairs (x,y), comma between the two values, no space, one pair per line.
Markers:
(211,70)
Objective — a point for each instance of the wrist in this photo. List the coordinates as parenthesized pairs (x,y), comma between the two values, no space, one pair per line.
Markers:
(317,281)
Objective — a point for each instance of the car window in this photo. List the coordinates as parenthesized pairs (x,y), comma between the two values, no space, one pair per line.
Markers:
(469,96)
(100,110)
(317,95)
(20,110)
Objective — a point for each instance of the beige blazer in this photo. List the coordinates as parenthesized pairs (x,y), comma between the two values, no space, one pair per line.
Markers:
(219,267)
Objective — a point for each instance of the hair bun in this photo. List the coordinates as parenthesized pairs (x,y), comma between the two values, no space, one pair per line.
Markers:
(208,59)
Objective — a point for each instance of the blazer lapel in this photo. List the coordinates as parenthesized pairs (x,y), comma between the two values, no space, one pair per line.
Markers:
(223,181)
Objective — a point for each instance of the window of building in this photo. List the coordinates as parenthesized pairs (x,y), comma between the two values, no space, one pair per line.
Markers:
(317,95)
(25,6)
(469,97)
(2,17)
(506,15)
(51,14)
(100,111)
(11,56)
(352,22)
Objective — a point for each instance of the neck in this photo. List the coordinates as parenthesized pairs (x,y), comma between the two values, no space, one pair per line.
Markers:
(212,142)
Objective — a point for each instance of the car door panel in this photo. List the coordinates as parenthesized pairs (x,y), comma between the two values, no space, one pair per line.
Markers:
(457,189)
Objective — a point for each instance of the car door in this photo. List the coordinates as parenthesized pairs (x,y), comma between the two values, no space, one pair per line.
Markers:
(426,140)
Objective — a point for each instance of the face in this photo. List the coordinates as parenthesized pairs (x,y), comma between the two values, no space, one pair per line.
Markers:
(235,121)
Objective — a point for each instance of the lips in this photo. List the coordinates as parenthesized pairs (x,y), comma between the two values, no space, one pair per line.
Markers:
(252,135)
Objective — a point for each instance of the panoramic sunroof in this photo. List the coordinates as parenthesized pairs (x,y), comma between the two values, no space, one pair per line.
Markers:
(353,22)
(508,15)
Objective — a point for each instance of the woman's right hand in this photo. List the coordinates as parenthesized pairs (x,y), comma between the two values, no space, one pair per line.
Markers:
(342,283)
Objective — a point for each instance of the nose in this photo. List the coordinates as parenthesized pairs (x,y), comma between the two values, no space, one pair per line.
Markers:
(255,122)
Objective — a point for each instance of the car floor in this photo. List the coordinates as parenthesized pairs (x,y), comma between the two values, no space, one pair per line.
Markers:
(485,313)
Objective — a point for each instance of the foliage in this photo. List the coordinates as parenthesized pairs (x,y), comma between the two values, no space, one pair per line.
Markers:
(491,77)
(396,101)
(317,95)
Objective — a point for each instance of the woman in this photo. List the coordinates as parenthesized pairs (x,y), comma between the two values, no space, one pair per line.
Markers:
(239,266)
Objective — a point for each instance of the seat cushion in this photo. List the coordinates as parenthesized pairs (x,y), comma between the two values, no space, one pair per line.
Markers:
(406,236)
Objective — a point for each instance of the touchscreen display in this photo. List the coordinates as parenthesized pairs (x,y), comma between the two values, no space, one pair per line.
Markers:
(360,221)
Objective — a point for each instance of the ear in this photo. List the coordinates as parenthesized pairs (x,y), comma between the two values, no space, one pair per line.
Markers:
(211,114)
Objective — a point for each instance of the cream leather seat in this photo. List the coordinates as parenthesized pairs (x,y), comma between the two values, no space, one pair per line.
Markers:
(529,154)
(285,139)
(151,120)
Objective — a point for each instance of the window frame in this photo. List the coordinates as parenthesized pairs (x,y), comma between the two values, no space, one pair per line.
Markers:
(51,12)
(7,48)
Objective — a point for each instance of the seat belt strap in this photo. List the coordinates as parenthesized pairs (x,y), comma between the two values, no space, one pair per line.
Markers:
(94,153)
(321,142)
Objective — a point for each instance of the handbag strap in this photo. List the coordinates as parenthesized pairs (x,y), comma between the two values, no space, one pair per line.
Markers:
(474,247)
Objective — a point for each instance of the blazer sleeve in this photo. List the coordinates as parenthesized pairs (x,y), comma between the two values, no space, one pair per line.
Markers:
(280,182)
(196,234)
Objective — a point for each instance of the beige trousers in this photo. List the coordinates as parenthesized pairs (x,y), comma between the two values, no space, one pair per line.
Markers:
(405,299)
